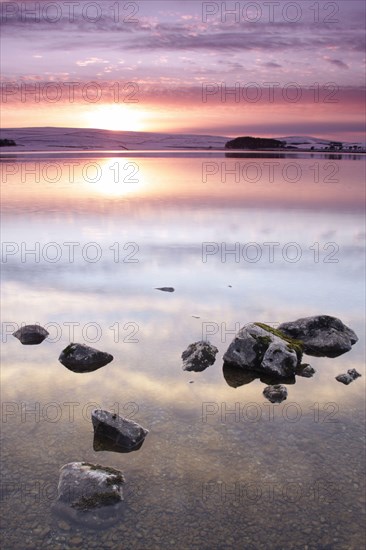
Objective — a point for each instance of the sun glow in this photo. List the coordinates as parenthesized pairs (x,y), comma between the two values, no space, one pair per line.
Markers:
(120,177)
(117,117)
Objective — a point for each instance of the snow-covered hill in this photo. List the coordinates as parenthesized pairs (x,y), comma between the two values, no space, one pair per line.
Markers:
(86,139)
(55,139)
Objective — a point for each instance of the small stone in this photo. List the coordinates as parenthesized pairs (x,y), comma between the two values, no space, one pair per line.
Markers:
(31,335)
(81,358)
(346,379)
(64,526)
(166,289)
(198,356)
(276,393)
(112,430)
(305,371)
(76,541)
(354,373)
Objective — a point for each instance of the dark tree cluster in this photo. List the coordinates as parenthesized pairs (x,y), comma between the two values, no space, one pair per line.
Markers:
(254,143)
(6,142)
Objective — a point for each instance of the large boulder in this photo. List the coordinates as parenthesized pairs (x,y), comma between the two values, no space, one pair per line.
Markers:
(259,347)
(81,358)
(113,430)
(198,356)
(31,335)
(321,335)
(89,493)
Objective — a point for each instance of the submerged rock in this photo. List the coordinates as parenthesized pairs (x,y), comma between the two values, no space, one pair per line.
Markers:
(258,347)
(321,335)
(31,335)
(102,443)
(166,289)
(236,377)
(276,393)
(305,370)
(89,493)
(272,380)
(351,375)
(198,356)
(118,431)
(81,358)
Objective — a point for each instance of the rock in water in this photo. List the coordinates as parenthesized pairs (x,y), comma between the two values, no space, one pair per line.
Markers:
(354,373)
(276,393)
(258,347)
(30,335)
(89,493)
(80,358)
(198,356)
(351,375)
(166,289)
(305,370)
(344,378)
(121,432)
(321,335)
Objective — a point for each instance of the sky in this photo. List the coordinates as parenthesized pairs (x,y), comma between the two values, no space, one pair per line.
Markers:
(265,68)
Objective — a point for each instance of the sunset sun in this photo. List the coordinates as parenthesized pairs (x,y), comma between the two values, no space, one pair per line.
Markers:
(116,117)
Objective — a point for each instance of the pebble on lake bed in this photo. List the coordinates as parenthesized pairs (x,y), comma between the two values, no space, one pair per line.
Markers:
(31,335)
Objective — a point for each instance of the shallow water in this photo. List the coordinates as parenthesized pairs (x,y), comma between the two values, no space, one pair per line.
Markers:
(240,239)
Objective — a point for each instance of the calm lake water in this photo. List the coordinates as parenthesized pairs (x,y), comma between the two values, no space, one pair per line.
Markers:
(86,240)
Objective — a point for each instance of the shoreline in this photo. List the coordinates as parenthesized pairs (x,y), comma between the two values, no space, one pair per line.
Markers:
(19,151)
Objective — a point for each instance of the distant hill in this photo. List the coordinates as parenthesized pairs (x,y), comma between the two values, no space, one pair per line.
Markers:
(48,139)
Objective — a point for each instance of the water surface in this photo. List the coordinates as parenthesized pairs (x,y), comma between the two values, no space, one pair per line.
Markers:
(258,238)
